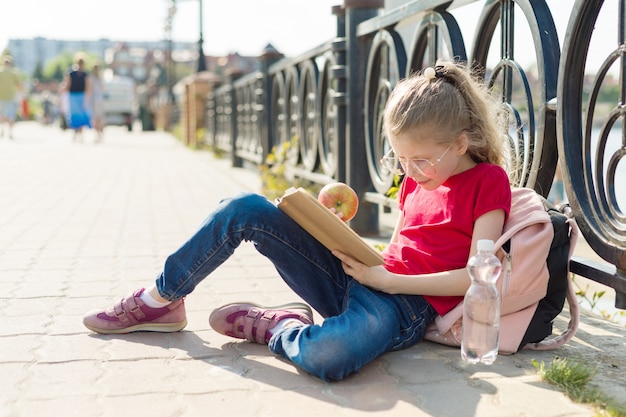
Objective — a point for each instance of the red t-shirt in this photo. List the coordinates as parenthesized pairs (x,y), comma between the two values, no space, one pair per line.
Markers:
(437,232)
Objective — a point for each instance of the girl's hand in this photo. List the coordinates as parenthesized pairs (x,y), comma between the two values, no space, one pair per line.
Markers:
(334,211)
(376,277)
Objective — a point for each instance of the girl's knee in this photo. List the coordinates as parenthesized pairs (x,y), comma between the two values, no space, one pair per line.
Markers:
(247,199)
(247,203)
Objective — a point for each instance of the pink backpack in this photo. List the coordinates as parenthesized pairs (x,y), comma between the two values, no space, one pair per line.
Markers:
(523,284)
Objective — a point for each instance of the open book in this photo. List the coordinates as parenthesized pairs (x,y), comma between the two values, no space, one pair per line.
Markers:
(326,227)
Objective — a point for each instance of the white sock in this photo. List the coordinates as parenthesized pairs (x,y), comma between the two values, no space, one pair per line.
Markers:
(152,302)
(285,323)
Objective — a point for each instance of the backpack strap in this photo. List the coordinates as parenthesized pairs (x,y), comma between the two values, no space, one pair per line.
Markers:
(574,309)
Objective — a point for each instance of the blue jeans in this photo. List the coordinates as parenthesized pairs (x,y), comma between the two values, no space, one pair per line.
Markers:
(359,324)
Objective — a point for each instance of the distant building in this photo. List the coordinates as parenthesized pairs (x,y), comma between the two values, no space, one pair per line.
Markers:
(27,53)
(138,60)
(132,61)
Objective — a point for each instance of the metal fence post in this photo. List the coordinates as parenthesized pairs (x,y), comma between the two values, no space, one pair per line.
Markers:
(357,175)
(269,56)
(236,161)
(340,74)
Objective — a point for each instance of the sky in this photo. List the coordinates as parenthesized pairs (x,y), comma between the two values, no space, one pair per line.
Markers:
(243,26)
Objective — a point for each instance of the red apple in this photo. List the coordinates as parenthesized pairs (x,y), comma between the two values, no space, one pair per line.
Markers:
(341,198)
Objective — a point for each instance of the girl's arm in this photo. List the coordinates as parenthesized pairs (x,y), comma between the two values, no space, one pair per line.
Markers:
(454,282)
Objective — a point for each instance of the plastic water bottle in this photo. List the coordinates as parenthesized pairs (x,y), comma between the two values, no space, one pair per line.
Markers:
(481,313)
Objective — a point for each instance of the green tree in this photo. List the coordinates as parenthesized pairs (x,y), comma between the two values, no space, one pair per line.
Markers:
(609,94)
(57,67)
(58,73)
(38,72)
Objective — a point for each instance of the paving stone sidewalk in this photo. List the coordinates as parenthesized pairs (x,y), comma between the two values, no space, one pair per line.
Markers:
(83,224)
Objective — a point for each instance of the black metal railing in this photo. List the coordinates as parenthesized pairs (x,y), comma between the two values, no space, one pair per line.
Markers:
(329,101)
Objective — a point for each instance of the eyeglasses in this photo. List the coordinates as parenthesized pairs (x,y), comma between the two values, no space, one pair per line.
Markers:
(390,162)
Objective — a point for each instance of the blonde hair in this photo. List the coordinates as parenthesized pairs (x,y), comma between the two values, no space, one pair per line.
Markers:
(450,101)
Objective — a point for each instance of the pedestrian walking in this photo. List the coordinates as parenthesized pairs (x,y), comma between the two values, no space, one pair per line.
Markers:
(78,89)
(97,101)
(10,85)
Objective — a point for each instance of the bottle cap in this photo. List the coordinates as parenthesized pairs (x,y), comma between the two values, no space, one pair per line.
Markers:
(485,245)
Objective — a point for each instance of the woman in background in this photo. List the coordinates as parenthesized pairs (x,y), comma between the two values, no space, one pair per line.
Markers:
(78,88)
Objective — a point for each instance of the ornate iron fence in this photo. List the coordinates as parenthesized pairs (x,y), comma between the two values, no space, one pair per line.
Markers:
(329,101)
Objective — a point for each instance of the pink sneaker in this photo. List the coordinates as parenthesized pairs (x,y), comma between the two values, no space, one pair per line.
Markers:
(132,315)
(253,322)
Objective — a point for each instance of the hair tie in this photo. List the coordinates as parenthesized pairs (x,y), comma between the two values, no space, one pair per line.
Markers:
(438,72)
(431,73)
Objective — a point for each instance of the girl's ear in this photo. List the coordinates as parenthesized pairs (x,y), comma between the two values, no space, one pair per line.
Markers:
(462,144)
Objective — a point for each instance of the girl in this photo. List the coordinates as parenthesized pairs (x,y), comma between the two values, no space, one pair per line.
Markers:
(444,136)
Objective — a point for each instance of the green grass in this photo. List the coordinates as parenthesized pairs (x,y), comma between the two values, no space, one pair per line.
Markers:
(574,378)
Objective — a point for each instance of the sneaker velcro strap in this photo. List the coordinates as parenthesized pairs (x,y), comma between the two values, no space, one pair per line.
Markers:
(134,308)
(256,325)
(128,311)
(120,313)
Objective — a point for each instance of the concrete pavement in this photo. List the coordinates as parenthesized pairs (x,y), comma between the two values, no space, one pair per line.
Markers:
(84,224)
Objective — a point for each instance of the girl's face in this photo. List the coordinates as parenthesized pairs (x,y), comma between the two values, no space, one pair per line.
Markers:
(428,161)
